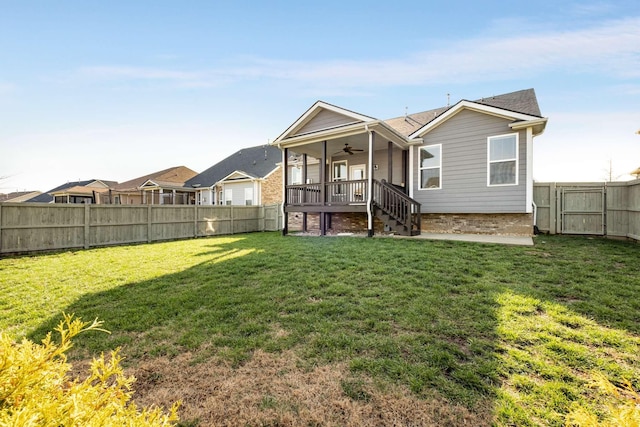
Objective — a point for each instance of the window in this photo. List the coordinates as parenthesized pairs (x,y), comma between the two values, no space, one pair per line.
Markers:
(503,160)
(431,167)
(248,196)
(220,197)
(228,196)
(339,174)
(296,175)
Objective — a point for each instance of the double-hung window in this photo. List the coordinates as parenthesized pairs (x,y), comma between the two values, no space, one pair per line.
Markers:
(502,167)
(431,167)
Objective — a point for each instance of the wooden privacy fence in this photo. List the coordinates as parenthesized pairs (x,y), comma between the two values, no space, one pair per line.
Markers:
(29,227)
(604,209)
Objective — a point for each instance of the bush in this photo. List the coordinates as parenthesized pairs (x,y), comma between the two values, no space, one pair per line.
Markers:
(625,414)
(36,390)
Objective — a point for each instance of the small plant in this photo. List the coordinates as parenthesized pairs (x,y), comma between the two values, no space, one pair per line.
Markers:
(36,390)
(625,414)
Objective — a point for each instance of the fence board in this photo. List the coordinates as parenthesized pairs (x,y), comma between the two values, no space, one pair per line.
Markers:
(41,227)
(583,208)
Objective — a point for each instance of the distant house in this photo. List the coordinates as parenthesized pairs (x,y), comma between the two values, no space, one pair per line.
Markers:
(89,191)
(250,176)
(165,187)
(458,169)
(18,196)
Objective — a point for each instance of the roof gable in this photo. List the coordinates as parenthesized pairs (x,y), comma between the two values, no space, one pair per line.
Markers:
(322,116)
(176,174)
(505,106)
(258,161)
(514,105)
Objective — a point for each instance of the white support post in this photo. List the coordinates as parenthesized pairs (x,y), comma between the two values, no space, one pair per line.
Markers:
(372,137)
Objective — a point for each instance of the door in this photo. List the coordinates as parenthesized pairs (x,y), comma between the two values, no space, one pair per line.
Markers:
(582,211)
(357,189)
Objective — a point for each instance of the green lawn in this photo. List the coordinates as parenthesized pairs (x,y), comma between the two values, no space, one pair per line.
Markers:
(521,329)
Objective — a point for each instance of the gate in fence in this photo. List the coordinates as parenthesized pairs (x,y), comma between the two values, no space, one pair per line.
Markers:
(582,210)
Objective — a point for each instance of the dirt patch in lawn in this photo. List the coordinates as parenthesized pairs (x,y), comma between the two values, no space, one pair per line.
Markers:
(277,390)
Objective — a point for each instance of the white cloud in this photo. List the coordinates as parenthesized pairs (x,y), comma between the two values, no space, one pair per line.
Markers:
(611,48)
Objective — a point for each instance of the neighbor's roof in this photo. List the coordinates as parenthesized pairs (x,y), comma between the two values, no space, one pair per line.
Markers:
(48,198)
(522,101)
(18,196)
(256,161)
(173,175)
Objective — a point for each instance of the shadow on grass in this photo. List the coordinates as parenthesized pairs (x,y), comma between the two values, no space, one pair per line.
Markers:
(427,315)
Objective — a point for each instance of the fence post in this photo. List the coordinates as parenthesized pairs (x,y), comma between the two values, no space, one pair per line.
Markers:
(552,208)
(233,230)
(87,220)
(149,225)
(195,220)
(262,218)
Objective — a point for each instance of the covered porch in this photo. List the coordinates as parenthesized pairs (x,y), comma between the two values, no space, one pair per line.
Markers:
(363,167)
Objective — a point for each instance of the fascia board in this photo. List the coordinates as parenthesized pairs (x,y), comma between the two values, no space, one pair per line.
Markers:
(481,108)
(538,125)
(237,172)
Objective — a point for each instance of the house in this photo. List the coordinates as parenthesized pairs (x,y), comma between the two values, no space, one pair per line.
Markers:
(165,187)
(465,168)
(18,196)
(250,176)
(89,191)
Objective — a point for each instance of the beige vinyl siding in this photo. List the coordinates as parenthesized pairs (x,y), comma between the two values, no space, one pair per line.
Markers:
(464,168)
(325,119)
(237,192)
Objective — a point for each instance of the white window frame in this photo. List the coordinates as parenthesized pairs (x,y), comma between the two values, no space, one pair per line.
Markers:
(420,168)
(490,162)
(228,196)
(248,196)
(296,177)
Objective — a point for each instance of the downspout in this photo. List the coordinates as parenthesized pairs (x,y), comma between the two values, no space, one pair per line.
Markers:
(370,183)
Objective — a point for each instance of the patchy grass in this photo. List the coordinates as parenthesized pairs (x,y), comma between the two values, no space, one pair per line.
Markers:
(462,332)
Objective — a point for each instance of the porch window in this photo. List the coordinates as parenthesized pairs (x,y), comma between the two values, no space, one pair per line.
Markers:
(431,167)
(296,175)
(502,168)
(339,174)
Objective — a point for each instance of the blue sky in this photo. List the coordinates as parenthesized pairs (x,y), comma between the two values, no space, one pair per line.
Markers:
(118,89)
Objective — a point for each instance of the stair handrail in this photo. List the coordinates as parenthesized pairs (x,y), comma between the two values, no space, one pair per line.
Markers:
(396,204)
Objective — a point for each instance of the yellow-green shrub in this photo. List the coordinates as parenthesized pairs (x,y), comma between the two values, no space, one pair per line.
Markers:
(36,389)
(625,414)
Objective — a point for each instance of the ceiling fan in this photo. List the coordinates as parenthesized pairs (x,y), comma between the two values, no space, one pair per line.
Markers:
(348,149)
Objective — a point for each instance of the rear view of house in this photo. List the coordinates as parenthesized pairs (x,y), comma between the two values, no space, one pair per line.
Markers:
(463,168)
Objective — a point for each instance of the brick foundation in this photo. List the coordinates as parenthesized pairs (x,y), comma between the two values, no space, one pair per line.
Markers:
(500,224)
(349,222)
(506,224)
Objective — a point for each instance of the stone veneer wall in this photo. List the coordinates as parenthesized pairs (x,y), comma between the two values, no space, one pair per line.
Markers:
(272,188)
(506,224)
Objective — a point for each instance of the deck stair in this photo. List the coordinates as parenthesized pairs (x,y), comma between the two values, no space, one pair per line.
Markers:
(399,212)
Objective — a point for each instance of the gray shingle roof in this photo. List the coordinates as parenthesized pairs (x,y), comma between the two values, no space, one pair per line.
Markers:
(522,101)
(256,161)
(48,198)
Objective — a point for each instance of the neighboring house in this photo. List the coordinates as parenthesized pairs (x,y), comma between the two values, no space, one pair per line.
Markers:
(89,191)
(463,168)
(636,173)
(165,187)
(251,176)
(18,196)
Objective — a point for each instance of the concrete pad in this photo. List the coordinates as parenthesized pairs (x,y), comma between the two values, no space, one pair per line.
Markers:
(479,238)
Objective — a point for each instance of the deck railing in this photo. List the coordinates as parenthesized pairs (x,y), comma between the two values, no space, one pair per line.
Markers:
(335,193)
(396,204)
